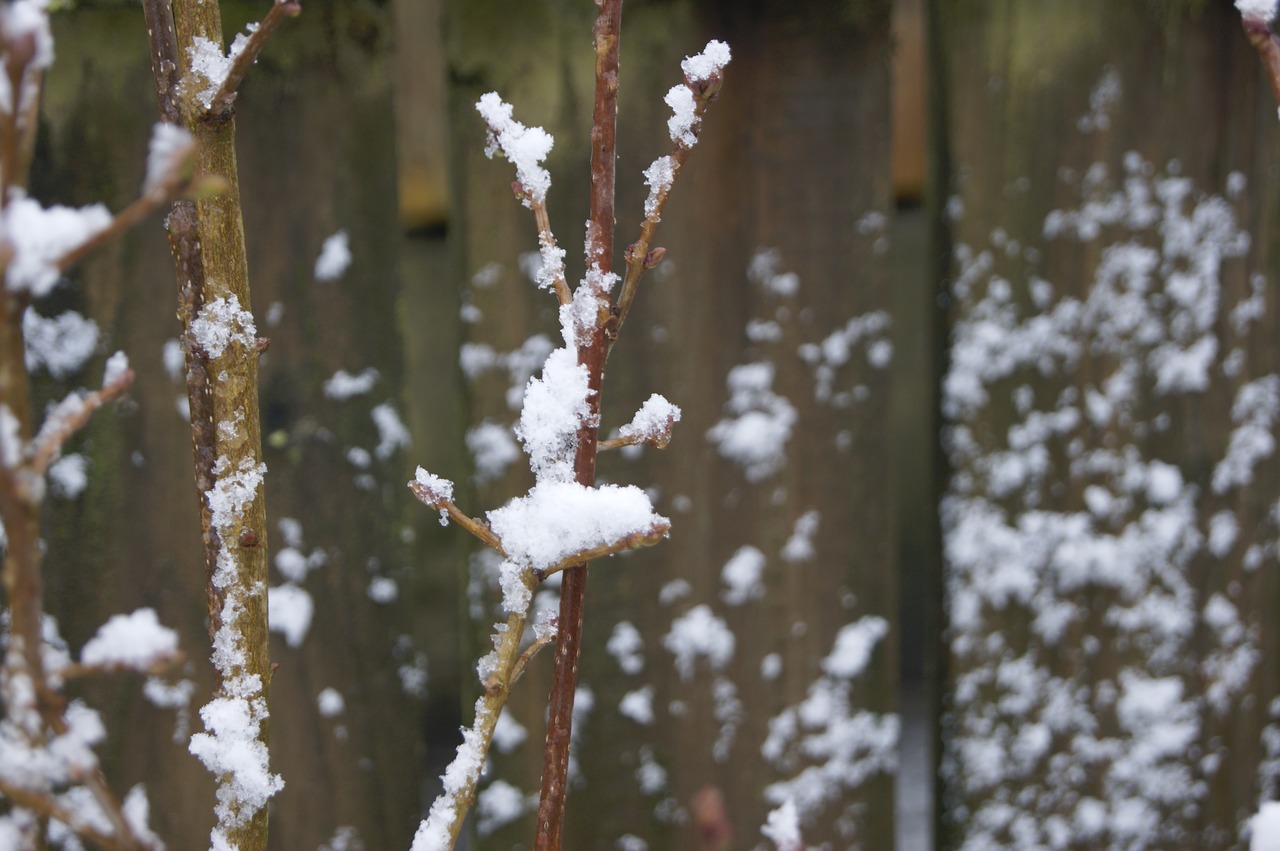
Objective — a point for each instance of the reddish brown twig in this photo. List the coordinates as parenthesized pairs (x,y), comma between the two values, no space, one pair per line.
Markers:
(599,257)
(476,527)
(1268,46)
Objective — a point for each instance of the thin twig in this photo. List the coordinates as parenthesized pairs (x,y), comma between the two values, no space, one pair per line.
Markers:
(547,240)
(20,121)
(640,256)
(220,105)
(1267,44)
(449,811)
(527,656)
(476,527)
(645,538)
(657,442)
(158,665)
(123,221)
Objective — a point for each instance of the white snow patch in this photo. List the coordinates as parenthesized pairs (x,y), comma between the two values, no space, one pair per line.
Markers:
(330,703)
(61,344)
(392,434)
(68,476)
(39,237)
(222,322)
(168,149)
(742,575)
(335,257)
(289,612)
(342,385)
(759,422)
(493,449)
(627,647)
(699,633)
(136,641)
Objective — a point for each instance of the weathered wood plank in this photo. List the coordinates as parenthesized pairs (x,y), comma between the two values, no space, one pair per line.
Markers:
(1111,583)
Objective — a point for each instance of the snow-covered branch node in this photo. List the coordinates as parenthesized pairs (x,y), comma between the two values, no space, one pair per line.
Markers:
(1258,10)
(525,147)
(703,75)
(434,491)
(652,425)
(216,77)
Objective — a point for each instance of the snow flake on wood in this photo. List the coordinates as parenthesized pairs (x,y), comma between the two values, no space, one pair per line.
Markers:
(221,323)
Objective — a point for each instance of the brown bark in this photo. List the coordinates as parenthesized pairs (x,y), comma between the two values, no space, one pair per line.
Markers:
(593,355)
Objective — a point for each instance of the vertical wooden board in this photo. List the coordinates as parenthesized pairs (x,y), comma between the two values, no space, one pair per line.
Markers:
(790,179)
(316,155)
(1110,551)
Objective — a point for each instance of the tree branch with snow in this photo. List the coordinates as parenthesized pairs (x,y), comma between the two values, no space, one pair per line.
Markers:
(566,520)
(225,74)
(206,236)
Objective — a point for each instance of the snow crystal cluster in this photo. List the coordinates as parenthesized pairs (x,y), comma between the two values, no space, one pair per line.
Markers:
(558,519)
(1074,544)
(525,147)
(653,422)
(231,747)
(210,66)
(222,322)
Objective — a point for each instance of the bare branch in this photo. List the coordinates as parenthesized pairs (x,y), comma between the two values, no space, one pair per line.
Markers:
(532,650)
